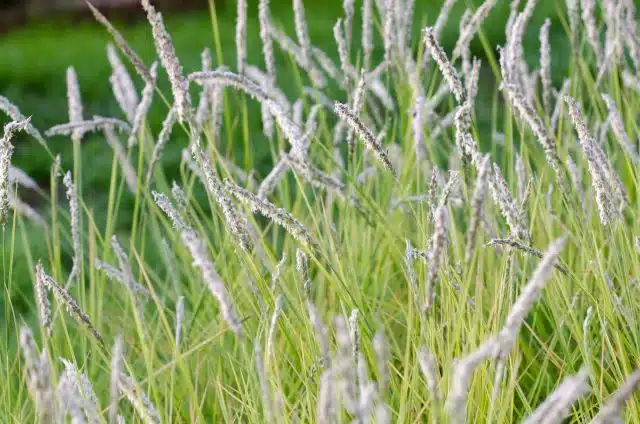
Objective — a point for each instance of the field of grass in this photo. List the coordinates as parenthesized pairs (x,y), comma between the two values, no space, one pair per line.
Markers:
(37,57)
(404,267)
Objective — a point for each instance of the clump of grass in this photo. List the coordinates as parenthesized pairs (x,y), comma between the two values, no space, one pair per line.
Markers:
(364,327)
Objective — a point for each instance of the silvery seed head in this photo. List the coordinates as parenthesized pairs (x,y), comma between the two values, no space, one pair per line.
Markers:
(14,113)
(121,84)
(38,376)
(74,100)
(6,151)
(447,69)
(122,44)
(170,62)
(202,260)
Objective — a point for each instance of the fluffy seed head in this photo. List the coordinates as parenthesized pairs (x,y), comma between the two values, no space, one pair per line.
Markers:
(14,113)
(216,189)
(545,65)
(74,100)
(142,108)
(366,135)
(269,210)
(202,261)
(70,304)
(122,85)
(170,62)
(447,69)
(241,35)
(166,206)
(74,210)
(122,44)
(42,300)
(139,400)
(6,151)
(38,376)
(601,183)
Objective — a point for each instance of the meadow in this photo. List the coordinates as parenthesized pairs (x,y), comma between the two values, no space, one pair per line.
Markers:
(395,213)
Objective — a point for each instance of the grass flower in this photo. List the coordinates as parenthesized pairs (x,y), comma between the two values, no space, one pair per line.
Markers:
(618,129)
(69,303)
(241,35)
(117,368)
(477,205)
(163,139)
(122,44)
(14,113)
(427,362)
(202,260)
(447,69)
(216,189)
(601,181)
(74,210)
(436,253)
(165,205)
(95,124)
(6,151)
(278,215)
(545,65)
(611,411)
(170,62)
(126,272)
(556,406)
(365,135)
(44,306)
(142,108)
(121,84)
(139,400)
(74,101)
(38,376)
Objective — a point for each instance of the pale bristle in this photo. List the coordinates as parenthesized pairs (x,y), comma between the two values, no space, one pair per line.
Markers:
(301,30)
(436,253)
(202,260)
(122,85)
(38,376)
(557,405)
(6,152)
(427,361)
(280,216)
(241,35)
(545,65)
(14,113)
(601,182)
(139,400)
(74,101)
(122,44)
(142,108)
(69,303)
(74,210)
(365,134)
(216,189)
(447,69)
(477,205)
(170,62)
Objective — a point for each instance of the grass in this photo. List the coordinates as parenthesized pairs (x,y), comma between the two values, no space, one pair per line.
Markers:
(358,261)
